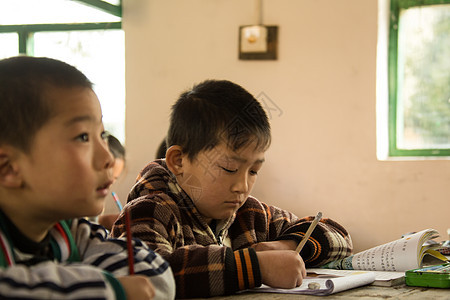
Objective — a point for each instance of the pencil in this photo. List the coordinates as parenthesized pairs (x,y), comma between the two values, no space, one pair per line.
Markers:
(116,199)
(308,232)
(129,244)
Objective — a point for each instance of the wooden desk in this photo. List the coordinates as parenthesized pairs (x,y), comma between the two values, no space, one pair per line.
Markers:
(361,293)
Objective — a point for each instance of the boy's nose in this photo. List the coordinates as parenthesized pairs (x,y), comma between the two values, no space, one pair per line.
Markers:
(104,158)
(109,162)
(241,184)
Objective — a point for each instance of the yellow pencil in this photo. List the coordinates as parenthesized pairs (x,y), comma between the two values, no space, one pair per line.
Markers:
(308,232)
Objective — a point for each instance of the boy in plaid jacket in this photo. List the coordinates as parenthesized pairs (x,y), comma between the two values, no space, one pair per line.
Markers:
(195,209)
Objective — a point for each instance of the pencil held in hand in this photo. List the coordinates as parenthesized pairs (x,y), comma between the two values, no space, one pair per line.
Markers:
(308,232)
(129,244)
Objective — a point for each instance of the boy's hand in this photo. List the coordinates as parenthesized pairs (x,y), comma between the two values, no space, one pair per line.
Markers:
(275,245)
(137,287)
(281,268)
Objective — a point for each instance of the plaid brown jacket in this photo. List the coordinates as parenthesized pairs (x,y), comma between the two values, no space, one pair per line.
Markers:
(216,260)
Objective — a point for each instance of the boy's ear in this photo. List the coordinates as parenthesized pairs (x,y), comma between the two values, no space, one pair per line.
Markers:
(174,159)
(9,175)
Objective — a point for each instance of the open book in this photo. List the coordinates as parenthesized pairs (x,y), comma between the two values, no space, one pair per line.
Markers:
(410,252)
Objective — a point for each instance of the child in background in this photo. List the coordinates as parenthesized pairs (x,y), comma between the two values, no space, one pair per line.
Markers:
(55,167)
(195,209)
(161,151)
(118,152)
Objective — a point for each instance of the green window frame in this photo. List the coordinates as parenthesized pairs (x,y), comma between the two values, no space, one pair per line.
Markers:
(100,22)
(26,32)
(396,6)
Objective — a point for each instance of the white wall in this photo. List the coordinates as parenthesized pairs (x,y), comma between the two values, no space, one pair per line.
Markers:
(323,155)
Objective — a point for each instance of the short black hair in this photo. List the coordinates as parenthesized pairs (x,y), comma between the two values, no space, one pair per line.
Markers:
(24,106)
(216,111)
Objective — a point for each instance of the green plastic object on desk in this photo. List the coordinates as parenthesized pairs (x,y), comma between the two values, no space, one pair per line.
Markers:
(433,276)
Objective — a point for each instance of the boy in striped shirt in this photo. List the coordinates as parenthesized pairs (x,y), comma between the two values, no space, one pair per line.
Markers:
(55,167)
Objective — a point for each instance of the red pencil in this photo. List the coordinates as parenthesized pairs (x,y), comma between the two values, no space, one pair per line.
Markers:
(129,244)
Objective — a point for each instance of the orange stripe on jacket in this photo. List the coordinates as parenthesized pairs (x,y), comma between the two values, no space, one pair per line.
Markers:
(237,257)
(248,262)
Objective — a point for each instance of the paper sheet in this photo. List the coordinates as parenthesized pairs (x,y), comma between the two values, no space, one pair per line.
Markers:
(380,276)
(327,285)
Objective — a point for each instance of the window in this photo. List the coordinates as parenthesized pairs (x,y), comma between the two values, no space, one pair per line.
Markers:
(419,78)
(83,33)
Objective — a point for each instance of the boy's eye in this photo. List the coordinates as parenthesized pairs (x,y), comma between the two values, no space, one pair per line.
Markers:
(252,172)
(228,170)
(84,137)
